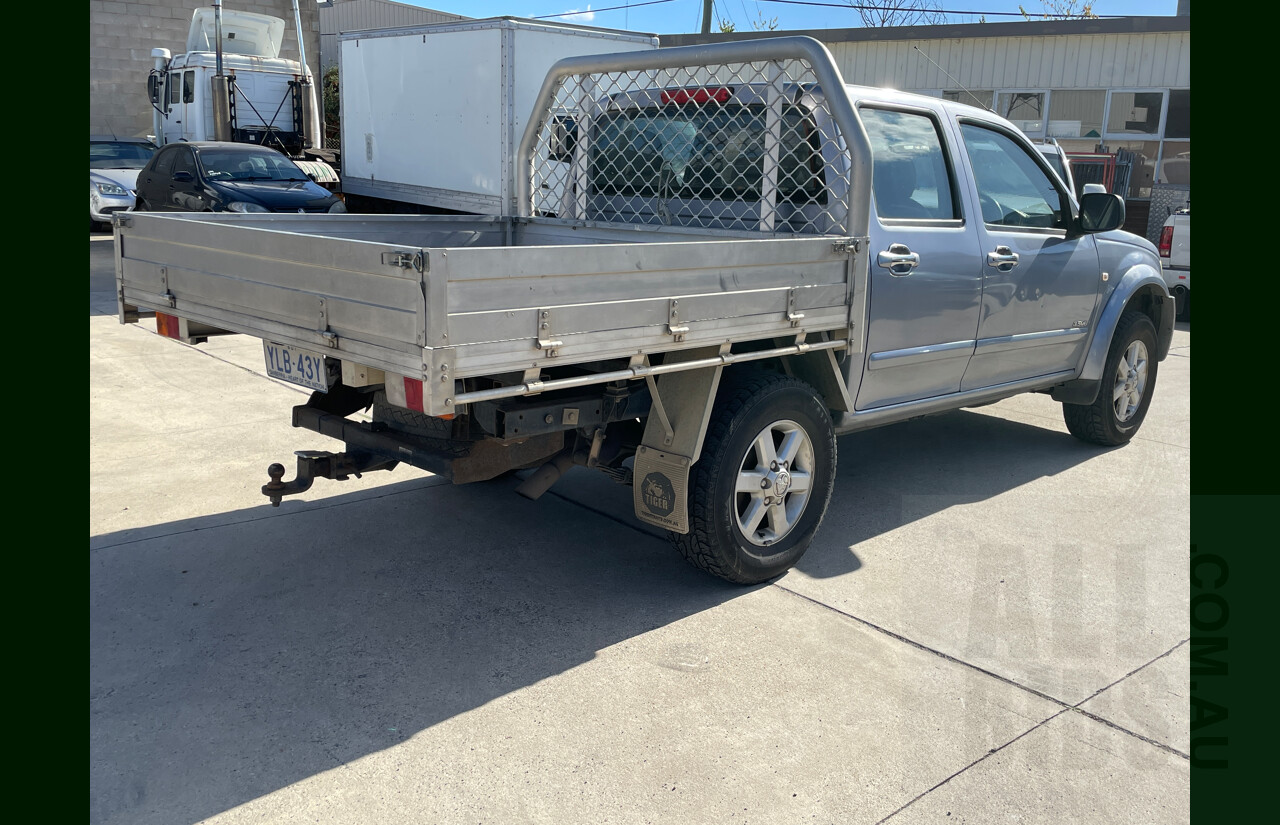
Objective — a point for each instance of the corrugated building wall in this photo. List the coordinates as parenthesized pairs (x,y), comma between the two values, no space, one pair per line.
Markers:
(122,35)
(1120,87)
(1086,61)
(337,16)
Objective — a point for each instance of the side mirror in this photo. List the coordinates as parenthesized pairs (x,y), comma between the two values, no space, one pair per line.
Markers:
(182,177)
(153,88)
(1100,212)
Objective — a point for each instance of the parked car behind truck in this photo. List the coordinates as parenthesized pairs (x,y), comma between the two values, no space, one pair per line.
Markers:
(1175,259)
(114,164)
(750,257)
(213,176)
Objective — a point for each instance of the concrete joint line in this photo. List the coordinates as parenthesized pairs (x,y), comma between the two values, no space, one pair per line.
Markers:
(977,761)
(1064,705)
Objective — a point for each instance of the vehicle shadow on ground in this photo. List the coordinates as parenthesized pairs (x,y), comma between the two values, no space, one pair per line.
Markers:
(891,476)
(236,654)
(230,660)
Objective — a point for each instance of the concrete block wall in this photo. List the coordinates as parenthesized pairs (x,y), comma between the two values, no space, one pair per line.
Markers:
(122,35)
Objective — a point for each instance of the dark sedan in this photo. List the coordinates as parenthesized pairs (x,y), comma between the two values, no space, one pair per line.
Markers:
(235,177)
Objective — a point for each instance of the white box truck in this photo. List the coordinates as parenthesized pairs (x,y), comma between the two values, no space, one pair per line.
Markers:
(431,115)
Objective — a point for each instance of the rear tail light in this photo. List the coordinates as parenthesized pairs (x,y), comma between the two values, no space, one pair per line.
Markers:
(712,95)
(403,391)
(168,325)
(413,394)
(1166,241)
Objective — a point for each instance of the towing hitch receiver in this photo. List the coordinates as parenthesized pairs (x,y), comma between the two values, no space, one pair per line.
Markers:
(313,464)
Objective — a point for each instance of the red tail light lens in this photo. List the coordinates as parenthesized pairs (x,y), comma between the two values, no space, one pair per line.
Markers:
(678,96)
(413,394)
(1166,241)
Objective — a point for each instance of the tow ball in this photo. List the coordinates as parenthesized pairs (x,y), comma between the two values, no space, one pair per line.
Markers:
(313,464)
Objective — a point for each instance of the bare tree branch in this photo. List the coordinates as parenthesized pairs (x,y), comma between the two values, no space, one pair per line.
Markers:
(1060,9)
(885,13)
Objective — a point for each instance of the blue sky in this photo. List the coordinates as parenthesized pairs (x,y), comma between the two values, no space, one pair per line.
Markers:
(675,16)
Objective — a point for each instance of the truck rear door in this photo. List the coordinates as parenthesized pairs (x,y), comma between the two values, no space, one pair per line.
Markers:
(926,271)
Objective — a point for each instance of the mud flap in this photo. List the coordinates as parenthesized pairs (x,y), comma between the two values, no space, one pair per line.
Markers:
(673,434)
(660,491)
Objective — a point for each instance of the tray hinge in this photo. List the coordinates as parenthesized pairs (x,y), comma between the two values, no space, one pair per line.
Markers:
(546,337)
(674,328)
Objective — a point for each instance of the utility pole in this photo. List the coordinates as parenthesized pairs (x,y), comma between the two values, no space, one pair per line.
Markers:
(706,16)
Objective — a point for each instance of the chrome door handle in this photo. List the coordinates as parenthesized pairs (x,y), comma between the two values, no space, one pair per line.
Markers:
(898,259)
(1003,259)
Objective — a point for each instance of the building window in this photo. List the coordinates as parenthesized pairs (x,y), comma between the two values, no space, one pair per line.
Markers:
(971,97)
(1135,113)
(1076,114)
(1175,162)
(1178,124)
(1136,161)
(1025,110)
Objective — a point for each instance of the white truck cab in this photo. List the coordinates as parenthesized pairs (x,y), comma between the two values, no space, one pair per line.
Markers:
(242,92)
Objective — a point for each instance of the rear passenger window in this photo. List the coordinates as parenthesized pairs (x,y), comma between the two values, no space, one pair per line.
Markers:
(910,178)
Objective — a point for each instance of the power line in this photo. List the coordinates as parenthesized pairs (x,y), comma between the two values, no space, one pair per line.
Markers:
(938,11)
(593,11)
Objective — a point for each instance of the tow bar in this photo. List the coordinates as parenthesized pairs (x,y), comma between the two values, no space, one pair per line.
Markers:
(313,464)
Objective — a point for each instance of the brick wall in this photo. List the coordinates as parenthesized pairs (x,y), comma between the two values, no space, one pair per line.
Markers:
(122,35)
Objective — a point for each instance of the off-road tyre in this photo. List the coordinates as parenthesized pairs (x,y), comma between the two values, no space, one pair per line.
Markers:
(1099,422)
(745,405)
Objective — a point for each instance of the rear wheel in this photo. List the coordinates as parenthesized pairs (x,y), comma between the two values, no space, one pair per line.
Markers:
(761,486)
(1128,380)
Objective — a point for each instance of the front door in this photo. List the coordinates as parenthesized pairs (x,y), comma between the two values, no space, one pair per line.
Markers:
(184,184)
(191,118)
(1040,287)
(926,273)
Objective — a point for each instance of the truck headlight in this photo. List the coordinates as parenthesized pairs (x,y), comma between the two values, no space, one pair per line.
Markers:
(245,206)
(338,206)
(111,189)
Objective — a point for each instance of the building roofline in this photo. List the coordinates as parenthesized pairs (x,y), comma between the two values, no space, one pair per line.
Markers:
(951,31)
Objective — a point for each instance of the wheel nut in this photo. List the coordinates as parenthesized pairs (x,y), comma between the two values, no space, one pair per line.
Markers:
(764,484)
(768,499)
(773,465)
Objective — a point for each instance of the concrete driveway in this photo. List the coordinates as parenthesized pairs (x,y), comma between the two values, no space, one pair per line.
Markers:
(991,626)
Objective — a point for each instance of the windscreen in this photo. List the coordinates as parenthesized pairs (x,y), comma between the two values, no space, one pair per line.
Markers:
(119,154)
(229,165)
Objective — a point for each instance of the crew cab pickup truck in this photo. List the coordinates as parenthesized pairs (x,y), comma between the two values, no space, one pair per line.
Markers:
(1175,258)
(719,258)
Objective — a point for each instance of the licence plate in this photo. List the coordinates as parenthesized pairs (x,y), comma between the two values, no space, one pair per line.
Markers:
(298,366)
